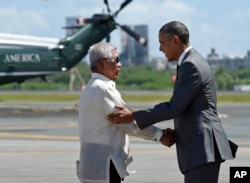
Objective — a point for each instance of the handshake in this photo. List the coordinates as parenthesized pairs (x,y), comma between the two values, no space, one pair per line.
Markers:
(168,137)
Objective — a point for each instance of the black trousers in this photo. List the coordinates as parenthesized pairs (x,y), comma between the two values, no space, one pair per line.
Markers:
(113,175)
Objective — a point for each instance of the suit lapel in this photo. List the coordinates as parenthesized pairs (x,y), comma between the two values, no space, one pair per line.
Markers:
(177,69)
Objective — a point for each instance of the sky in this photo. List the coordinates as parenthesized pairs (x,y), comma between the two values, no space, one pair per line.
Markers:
(220,24)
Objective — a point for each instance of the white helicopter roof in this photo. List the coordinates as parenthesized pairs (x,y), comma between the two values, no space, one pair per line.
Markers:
(28,40)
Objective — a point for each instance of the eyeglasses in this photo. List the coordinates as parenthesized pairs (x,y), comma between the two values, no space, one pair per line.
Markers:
(117,59)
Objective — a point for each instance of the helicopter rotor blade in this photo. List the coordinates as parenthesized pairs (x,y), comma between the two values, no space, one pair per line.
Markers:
(133,34)
(125,3)
(108,38)
(73,27)
(107,4)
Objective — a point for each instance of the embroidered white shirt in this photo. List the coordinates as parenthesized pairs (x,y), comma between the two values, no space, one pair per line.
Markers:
(101,140)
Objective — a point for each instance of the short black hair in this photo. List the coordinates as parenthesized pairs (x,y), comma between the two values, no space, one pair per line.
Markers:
(176,28)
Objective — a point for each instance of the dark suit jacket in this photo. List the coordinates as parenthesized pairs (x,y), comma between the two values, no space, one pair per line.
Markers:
(193,107)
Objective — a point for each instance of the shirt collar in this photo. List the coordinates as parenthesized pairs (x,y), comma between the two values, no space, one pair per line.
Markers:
(104,78)
(183,55)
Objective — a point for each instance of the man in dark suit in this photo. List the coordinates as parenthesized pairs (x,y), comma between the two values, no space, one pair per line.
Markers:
(201,141)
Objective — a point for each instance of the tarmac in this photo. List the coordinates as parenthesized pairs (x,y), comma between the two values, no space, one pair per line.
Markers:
(39,143)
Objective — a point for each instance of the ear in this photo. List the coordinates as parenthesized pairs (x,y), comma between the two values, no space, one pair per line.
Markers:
(176,39)
(101,66)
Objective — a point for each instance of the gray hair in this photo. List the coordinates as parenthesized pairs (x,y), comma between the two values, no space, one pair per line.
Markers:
(176,28)
(98,51)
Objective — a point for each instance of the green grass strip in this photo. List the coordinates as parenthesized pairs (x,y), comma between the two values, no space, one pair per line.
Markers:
(222,97)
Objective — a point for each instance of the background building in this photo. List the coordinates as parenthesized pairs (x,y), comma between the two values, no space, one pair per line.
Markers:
(71,21)
(132,52)
(228,62)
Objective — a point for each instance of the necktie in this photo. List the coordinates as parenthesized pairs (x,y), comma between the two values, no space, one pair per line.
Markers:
(177,68)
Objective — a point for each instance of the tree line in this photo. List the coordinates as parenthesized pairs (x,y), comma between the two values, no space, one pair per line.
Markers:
(134,78)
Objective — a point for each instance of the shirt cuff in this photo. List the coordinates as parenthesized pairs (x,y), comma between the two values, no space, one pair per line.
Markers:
(158,135)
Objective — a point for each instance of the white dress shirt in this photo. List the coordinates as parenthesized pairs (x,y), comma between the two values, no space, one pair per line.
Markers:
(101,140)
(183,55)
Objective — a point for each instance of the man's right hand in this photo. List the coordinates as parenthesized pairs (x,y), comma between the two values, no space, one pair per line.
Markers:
(123,115)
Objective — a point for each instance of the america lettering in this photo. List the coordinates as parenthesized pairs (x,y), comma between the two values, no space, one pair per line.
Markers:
(22,58)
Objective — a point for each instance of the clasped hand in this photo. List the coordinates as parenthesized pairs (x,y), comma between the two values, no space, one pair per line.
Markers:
(168,137)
